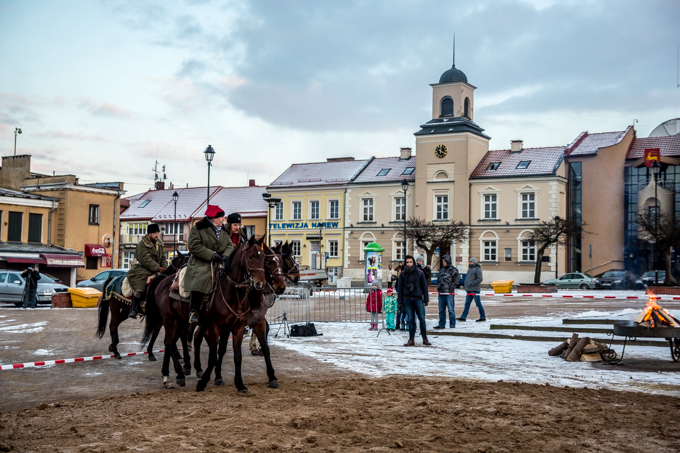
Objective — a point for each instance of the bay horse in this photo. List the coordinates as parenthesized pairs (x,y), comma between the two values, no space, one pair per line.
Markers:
(274,274)
(120,310)
(246,271)
(290,269)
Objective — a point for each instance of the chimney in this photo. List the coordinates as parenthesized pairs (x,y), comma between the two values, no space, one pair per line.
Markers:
(251,183)
(516,146)
(405,153)
(160,185)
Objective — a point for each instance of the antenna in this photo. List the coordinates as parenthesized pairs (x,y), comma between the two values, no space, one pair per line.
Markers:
(454,49)
(678,71)
(155,172)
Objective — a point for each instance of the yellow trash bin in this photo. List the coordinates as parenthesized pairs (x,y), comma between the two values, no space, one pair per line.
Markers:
(84,297)
(502,286)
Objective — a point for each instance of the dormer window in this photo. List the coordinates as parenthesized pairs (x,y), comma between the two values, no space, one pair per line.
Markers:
(446,107)
(493,166)
(384,172)
(522,165)
(144,203)
(409,170)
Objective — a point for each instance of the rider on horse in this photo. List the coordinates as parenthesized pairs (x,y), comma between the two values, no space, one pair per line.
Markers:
(209,242)
(150,260)
(235,231)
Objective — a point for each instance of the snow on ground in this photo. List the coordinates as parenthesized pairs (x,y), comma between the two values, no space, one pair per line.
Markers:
(351,346)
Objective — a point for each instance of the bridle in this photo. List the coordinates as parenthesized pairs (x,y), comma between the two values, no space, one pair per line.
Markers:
(247,283)
(287,272)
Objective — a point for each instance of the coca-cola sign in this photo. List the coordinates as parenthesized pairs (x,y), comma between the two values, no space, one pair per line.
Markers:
(94,250)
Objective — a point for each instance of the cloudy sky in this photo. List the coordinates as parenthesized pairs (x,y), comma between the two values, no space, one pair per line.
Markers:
(104,89)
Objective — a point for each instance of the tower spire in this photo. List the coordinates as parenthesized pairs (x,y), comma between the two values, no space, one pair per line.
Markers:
(454,50)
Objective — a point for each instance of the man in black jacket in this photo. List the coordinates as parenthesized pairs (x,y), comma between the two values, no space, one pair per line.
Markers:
(31,289)
(412,291)
(447,281)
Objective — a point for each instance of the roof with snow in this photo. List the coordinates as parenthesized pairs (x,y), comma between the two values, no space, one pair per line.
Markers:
(527,162)
(247,201)
(669,146)
(330,173)
(388,169)
(587,144)
(155,203)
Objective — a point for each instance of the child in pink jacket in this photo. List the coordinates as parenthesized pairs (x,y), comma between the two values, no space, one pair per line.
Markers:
(374,305)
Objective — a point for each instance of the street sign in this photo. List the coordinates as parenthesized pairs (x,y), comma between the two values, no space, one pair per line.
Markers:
(327,255)
(651,155)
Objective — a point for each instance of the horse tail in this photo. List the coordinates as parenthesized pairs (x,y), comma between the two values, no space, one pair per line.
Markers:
(103,311)
(152,317)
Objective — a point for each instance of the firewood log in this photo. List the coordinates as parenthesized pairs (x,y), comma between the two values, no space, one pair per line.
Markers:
(575,353)
(557,350)
(572,345)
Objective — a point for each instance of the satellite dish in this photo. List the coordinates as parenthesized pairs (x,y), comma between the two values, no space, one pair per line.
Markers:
(667,128)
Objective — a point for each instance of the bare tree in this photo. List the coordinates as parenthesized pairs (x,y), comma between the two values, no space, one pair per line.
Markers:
(664,229)
(430,235)
(555,231)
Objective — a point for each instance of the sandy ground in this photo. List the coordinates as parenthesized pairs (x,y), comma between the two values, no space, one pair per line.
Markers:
(336,402)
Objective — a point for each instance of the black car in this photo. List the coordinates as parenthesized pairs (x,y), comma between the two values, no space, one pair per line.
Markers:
(617,279)
(649,277)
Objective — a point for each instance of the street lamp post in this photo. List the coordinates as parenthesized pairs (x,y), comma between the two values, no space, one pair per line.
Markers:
(404,187)
(271,202)
(209,155)
(175,197)
(17,130)
(656,166)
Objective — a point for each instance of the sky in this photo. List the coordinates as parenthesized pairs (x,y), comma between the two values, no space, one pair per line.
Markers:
(104,89)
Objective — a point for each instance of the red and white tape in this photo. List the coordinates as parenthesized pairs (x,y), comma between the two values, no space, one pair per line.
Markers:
(60,361)
(571,296)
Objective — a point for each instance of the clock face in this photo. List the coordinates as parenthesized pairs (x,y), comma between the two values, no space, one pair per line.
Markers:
(440,151)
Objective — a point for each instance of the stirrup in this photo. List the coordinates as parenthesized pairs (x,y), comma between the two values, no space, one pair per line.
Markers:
(193,317)
(133,313)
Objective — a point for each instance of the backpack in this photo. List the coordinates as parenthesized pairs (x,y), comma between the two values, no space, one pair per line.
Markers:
(304,330)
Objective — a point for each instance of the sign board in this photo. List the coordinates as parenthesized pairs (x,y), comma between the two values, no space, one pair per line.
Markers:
(327,255)
(651,155)
(373,267)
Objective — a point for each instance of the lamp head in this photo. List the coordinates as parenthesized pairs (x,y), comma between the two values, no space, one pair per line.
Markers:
(656,166)
(404,185)
(17,130)
(266,196)
(175,197)
(209,153)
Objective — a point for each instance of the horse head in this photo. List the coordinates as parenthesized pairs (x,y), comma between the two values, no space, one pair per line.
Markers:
(274,270)
(290,268)
(254,256)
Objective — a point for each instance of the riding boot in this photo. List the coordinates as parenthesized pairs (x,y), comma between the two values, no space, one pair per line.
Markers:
(196,300)
(134,307)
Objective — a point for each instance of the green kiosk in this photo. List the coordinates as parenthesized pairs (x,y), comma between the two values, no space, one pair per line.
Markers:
(373,271)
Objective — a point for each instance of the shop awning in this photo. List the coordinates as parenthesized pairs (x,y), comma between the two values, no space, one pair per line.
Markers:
(63,260)
(25,260)
(94,250)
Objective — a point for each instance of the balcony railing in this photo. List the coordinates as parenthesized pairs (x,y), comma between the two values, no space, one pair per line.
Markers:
(170,238)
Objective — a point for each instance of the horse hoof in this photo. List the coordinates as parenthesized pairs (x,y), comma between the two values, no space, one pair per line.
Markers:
(199,374)
(117,356)
(219,381)
(181,382)
(274,384)
(200,386)
(243,391)
(167,383)
(187,371)
(152,358)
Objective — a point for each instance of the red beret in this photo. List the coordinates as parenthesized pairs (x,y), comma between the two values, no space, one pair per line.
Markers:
(214,211)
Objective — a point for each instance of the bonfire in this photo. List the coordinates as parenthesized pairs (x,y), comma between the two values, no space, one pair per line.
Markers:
(655,316)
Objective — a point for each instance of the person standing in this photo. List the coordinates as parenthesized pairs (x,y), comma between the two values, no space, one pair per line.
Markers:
(209,242)
(412,293)
(446,286)
(391,276)
(390,306)
(150,260)
(473,281)
(374,304)
(420,262)
(31,276)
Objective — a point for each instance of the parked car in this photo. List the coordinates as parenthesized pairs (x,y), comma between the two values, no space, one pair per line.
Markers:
(12,287)
(616,280)
(649,277)
(572,280)
(97,282)
(56,280)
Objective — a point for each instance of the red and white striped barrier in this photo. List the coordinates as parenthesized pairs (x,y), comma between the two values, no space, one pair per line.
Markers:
(60,361)
(571,296)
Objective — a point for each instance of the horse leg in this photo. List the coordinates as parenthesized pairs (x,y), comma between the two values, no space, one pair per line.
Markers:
(198,339)
(116,318)
(154,335)
(224,339)
(165,369)
(171,353)
(213,338)
(180,379)
(236,342)
(187,356)
(261,329)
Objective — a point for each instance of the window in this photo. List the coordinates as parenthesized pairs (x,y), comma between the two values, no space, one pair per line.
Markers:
(35,228)
(447,107)
(93,217)
(489,250)
(102,276)
(368,210)
(528,205)
(364,243)
(490,206)
(334,209)
(314,210)
(14,278)
(384,172)
(654,212)
(442,204)
(278,211)
(295,246)
(249,230)
(297,210)
(398,250)
(137,229)
(14,226)
(91,262)
(3,277)
(528,250)
(333,249)
(493,166)
(144,203)
(508,254)
(399,209)
(128,258)
(466,108)
(409,170)
(174,228)
(522,165)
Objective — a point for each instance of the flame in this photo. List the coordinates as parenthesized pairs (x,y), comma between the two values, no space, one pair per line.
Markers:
(652,307)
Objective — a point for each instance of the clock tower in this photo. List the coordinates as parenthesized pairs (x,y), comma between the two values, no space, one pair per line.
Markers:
(448,149)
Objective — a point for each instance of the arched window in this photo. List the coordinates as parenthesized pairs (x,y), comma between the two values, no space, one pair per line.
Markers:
(447,107)
(466,108)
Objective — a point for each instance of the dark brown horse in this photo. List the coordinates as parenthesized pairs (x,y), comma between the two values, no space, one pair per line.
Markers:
(290,269)
(120,310)
(255,318)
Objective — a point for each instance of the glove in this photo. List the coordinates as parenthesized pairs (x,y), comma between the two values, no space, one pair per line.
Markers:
(162,269)
(225,260)
(216,258)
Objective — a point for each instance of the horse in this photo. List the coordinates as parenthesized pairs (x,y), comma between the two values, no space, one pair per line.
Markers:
(274,274)
(290,269)
(120,310)
(246,271)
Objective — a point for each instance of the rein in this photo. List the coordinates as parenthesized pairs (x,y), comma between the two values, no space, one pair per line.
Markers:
(247,284)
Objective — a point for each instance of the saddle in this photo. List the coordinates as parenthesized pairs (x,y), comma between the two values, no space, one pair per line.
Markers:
(177,290)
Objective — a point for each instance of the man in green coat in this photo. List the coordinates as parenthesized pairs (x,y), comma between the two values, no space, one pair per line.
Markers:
(209,242)
(150,260)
